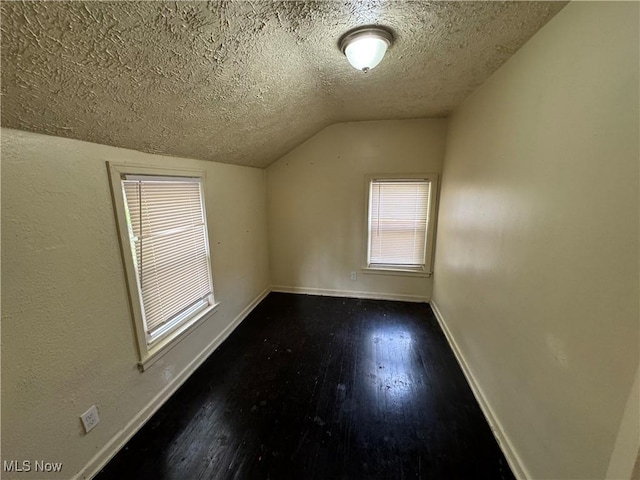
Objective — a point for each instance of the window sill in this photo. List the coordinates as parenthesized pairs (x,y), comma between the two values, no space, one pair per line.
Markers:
(397,271)
(159,349)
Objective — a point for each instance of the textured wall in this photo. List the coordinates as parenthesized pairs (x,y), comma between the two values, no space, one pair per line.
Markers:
(317,204)
(67,333)
(537,261)
(241,82)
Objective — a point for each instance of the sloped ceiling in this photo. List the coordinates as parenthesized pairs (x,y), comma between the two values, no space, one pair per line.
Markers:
(241,82)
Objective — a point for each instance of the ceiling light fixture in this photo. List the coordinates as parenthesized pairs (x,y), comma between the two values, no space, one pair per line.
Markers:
(365,46)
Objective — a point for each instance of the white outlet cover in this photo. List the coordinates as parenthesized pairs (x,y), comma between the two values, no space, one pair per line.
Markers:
(90,418)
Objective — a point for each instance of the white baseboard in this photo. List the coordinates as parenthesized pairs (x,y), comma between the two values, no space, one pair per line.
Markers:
(350,294)
(107,452)
(506,446)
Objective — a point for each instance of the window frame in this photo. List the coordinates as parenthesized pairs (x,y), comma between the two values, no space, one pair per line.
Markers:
(150,352)
(425,270)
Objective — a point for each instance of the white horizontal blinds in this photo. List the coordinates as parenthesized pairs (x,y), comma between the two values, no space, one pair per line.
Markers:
(398,218)
(168,237)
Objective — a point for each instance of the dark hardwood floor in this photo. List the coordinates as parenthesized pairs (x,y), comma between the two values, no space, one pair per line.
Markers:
(321,388)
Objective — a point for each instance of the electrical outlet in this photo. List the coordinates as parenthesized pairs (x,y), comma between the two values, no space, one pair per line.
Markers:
(90,418)
(354,276)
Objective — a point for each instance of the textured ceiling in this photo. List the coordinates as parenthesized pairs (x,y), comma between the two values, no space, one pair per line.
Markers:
(241,82)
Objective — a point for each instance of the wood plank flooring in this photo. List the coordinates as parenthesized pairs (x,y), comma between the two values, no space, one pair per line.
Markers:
(311,387)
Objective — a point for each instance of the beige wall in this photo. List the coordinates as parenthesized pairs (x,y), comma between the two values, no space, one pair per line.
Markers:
(536,272)
(317,205)
(67,335)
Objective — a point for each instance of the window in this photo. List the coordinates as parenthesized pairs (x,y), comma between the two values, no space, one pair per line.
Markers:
(163,234)
(400,224)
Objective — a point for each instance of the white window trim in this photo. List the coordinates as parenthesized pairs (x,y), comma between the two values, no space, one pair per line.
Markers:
(150,353)
(425,270)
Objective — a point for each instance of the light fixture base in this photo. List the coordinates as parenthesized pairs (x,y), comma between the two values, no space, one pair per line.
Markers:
(359,32)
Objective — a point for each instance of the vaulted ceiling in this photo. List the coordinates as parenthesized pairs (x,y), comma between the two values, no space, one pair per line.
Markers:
(242,82)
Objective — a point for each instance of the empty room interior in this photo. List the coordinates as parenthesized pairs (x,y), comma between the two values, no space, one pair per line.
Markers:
(333,239)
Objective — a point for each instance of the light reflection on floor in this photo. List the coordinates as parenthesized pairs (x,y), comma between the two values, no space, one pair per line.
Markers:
(390,369)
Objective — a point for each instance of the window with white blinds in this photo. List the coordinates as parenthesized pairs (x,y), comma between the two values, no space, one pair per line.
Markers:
(168,240)
(398,222)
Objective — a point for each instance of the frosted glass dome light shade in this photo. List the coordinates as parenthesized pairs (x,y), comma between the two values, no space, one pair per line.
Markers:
(365,47)
(366,52)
